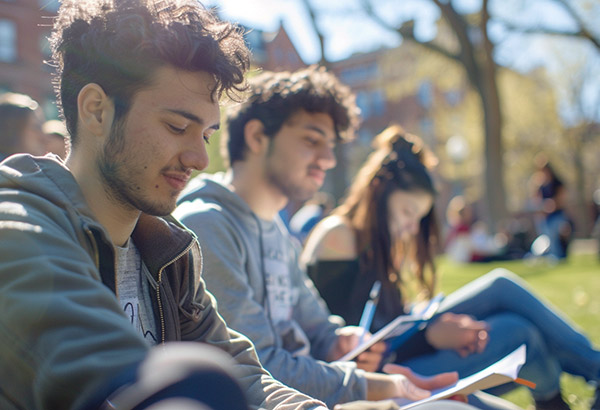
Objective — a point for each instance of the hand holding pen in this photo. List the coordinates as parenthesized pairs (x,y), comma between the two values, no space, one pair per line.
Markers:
(350,337)
(369,310)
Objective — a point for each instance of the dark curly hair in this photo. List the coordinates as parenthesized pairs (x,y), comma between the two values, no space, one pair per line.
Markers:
(119,44)
(275,96)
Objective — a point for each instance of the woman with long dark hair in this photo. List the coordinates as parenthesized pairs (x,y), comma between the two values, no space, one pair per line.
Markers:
(386,230)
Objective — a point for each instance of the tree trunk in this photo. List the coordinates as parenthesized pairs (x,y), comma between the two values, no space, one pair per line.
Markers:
(493,152)
(582,216)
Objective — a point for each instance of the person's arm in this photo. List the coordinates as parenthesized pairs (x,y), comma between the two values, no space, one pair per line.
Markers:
(331,239)
(63,336)
(402,382)
(313,316)
(262,390)
(227,274)
(459,332)
(329,341)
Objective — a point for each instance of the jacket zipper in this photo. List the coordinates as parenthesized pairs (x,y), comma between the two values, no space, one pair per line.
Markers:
(158,297)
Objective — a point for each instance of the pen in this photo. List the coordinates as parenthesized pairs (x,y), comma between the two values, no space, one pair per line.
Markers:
(369,310)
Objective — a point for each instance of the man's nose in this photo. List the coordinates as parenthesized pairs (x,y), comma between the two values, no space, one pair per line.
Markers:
(327,158)
(195,155)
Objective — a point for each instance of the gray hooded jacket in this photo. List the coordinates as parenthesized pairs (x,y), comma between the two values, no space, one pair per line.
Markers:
(252,269)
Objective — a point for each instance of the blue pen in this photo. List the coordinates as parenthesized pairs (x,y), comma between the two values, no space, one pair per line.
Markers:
(369,310)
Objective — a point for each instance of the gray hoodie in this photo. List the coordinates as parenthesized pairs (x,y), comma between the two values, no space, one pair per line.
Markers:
(251,266)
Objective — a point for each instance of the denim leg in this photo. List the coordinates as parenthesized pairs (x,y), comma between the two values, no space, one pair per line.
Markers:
(501,291)
(507,332)
(556,224)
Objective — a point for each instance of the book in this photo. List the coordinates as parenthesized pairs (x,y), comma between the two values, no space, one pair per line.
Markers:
(404,325)
(503,371)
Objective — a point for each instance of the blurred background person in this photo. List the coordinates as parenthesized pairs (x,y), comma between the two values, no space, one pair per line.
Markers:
(20,125)
(56,138)
(554,226)
(313,210)
(468,238)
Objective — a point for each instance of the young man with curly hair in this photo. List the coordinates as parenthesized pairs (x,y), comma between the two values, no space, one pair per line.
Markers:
(279,145)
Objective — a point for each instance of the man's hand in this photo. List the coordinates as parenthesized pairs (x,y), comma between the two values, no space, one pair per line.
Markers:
(348,338)
(423,382)
(402,382)
(459,332)
(370,359)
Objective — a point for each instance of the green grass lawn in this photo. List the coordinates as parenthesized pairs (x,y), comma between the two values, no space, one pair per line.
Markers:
(572,286)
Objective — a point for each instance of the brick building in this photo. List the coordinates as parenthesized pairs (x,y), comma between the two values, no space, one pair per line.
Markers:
(24,29)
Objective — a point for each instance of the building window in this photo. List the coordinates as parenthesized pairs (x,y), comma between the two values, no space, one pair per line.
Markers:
(362,100)
(378,102)
(8,41)
(49,106)
(453,97)
(49,5)
(359,74)
(371,103)
(425,94)
(45,47)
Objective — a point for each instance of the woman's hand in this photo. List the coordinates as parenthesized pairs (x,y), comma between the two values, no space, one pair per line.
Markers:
(348,339)
(459,332)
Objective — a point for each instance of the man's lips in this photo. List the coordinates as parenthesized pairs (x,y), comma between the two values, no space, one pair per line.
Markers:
(317,174)
(177,181)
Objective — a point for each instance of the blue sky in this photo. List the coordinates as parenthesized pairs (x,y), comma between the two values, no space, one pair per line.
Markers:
(267,15)
(346,34)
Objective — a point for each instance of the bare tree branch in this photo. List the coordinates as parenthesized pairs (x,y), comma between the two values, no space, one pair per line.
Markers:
(460,29)
(406,30)
(583,31)
(313,21)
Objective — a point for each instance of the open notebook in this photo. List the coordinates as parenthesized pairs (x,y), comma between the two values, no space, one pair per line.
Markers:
(503,371)
(402,325)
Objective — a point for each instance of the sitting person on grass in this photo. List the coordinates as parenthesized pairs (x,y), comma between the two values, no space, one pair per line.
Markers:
(385,230)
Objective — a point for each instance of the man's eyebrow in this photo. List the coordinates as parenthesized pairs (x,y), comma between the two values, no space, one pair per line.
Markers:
(319,130)
(316,129)
(192,117)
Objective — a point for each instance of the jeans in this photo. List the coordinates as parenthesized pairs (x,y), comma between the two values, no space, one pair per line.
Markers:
(515,316)
(558,229)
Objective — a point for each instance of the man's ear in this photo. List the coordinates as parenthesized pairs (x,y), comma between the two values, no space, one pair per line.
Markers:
(95,110)
(254,135)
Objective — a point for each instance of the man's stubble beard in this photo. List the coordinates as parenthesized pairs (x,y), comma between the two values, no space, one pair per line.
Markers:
(292,191)
(118,184)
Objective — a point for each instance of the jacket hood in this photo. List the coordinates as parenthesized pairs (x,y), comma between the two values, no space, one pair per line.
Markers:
(212,188)
(47,177)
